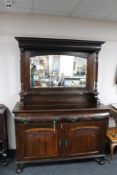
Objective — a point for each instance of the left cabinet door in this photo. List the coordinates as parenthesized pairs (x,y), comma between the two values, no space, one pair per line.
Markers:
(37,141)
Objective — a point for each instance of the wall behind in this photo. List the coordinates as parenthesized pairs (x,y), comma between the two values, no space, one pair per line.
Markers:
(58,27)
(9,80)
(107,86)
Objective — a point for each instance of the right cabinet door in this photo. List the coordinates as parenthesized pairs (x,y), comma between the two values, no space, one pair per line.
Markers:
(85,138)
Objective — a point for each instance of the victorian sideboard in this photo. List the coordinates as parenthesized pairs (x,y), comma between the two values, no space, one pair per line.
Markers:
(59,116)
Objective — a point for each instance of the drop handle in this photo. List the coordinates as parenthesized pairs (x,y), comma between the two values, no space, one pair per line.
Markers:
(74,119)
(25,121)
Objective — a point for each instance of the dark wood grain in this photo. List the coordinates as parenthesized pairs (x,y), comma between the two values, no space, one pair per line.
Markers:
(54,124)
(58,44)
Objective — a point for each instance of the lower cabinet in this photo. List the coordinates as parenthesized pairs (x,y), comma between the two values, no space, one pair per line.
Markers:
(38,141)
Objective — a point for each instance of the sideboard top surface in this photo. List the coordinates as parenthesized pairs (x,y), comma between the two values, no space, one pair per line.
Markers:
(64,108)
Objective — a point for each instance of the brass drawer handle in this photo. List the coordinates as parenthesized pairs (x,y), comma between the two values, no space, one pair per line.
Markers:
(25,121)
(74,119)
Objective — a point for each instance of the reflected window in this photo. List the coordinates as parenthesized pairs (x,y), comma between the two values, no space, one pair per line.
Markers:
(58,71)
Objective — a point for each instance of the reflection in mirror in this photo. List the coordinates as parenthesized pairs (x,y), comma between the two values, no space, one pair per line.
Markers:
(58,71)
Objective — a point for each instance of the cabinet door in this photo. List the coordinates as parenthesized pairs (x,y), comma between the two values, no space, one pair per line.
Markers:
(85,138)
(38,141)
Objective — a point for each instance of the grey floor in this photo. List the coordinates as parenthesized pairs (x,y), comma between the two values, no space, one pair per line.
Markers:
(84,167)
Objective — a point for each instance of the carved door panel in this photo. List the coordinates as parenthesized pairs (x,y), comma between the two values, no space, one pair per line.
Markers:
(41,141)
(85,139)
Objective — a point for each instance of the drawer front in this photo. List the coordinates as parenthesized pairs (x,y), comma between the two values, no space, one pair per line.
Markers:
(62,117)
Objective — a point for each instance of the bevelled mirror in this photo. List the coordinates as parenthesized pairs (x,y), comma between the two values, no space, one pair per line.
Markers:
(58,71)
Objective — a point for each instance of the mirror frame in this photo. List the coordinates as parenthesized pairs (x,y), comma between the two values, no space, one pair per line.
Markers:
(34,46)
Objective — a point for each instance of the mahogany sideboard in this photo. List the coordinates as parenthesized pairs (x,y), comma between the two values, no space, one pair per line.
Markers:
(59,116)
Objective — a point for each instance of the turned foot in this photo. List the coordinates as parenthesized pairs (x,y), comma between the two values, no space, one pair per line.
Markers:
(101,161)
(19,168)
(5,161)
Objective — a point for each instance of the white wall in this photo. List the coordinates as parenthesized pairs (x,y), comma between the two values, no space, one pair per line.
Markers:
(56,27)
(9,80)
(107,86)
(53,26)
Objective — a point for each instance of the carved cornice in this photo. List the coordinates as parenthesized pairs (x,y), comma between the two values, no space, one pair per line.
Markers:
(59,44)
